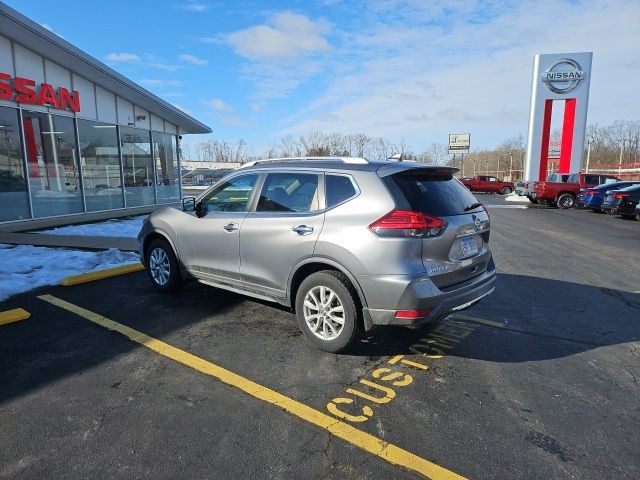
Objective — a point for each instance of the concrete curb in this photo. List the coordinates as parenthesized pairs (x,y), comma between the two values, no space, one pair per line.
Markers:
(100,274)
(14,315)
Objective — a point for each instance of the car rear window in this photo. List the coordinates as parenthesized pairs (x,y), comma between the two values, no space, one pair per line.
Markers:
(440,195)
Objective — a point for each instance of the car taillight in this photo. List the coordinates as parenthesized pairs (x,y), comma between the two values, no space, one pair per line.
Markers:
(620,195)
(407,223)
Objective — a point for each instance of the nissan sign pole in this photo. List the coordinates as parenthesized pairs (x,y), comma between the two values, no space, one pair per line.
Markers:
(459,143)
(558,77)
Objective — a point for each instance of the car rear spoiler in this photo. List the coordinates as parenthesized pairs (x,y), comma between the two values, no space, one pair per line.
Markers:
(395,167)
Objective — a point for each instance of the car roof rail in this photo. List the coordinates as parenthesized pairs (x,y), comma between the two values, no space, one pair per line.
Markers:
(351,160)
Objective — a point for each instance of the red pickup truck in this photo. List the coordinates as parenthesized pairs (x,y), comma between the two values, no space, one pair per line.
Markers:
(563,194)
(485,183)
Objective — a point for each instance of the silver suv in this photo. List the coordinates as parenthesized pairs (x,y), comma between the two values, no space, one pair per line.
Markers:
(345,242)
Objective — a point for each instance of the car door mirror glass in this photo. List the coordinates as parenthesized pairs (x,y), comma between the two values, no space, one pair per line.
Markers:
(189,204)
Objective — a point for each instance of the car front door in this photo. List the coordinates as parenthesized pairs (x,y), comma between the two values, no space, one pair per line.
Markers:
(281,231)
(208,240)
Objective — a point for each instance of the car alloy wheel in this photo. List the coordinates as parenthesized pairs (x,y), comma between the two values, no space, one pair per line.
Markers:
(159,266)
(324,313)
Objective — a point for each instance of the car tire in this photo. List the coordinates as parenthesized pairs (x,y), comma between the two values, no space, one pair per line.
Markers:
(565,201)
(162,267)
(533,200)
(628,217)
(506,190)
(321,328)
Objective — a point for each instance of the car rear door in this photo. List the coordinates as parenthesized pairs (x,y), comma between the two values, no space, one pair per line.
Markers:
(281,231)
(460,251)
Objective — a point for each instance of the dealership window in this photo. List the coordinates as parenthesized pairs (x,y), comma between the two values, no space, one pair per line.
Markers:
(100,165)
(166,160)
(52,164)
(13,187)
(137,164)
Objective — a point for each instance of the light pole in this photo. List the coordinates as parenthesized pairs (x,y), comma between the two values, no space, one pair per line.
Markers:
(621,153)
(511,166)
(589,142)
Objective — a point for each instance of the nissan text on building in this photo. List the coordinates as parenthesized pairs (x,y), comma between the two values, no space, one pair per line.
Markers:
(77,139)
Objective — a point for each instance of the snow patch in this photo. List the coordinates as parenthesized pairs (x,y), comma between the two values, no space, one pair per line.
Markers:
(24,267)
(112,228)
(516,198)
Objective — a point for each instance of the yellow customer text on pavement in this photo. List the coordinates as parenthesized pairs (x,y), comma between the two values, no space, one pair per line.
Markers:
(348,433)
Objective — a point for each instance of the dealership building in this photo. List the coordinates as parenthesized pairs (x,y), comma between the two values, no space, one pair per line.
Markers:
(78,141)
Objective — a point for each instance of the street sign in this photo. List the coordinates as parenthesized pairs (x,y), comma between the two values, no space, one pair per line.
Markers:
(459,142)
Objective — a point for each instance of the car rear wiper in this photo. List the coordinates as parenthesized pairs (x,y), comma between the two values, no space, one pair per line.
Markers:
(472,206)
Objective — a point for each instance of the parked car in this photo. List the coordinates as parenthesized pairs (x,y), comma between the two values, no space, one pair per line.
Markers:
(622,202)
(592,197)
(563,194)
(522,188)
(552,177)
(346,243)
(486,183)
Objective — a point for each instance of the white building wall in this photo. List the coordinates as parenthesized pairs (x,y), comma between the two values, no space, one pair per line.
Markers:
(105,105)
(87,91)
(6,56)
(96,103)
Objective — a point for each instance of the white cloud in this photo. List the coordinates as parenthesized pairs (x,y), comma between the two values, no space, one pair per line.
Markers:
(409,72)
(194,6)
(224,112)
(156,82)
(122,57)
(185,110)
(218,105)
(193,59)
(287,35)
(51,29)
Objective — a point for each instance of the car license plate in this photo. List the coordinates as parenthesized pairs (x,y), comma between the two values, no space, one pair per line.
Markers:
(469,246)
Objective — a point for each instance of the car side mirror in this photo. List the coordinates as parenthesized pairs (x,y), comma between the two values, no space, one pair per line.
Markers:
(189,204)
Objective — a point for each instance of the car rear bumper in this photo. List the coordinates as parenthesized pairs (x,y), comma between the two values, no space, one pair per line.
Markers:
(422,294)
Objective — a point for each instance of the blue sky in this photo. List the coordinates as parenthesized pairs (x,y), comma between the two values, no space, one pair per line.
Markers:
(413,69)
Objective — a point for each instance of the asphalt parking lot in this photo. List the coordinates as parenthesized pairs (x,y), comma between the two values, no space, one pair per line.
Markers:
(539,380)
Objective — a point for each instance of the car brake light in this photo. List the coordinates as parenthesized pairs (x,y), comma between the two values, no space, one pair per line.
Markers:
(620,195)
(407,223)
(413,314)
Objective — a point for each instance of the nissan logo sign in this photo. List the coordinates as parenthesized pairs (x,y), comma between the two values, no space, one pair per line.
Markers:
(561,79)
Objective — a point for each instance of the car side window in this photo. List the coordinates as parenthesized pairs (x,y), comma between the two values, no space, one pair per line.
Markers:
(289,192)
(594,179)
(232,196)
(339,188)
(493,179)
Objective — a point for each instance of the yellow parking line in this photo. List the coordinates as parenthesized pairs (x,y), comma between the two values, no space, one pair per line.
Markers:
(468,318)
(14,315)
(100,274)
(363,440)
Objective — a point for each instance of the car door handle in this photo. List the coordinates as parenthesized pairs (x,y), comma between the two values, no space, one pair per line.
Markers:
(230,227)
(302,230)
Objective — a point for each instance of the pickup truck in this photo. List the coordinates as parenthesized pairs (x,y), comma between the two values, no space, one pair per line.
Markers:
(485,183)
(563,194)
